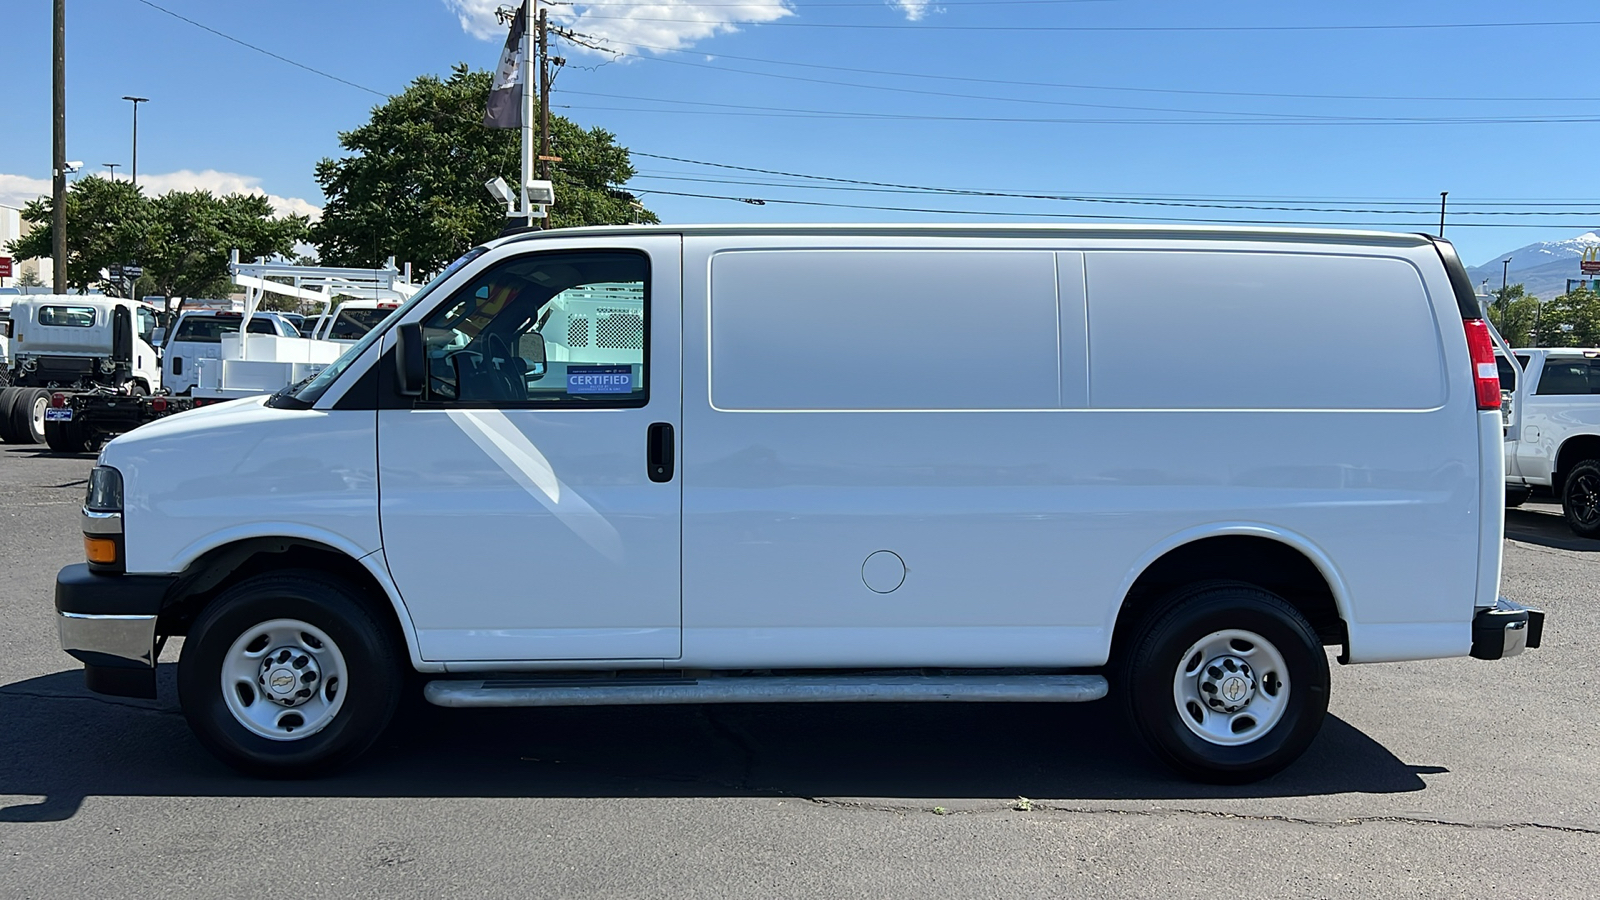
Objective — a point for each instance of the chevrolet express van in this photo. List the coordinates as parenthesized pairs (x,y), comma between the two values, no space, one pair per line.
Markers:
(703,464)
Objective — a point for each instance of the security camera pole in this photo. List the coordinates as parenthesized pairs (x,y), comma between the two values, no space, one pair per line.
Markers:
(511,105)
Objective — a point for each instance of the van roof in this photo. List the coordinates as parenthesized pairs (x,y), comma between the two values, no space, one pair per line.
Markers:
(1169,232)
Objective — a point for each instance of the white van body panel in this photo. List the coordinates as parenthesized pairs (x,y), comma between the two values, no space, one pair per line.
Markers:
(222,473)
(1021,527)
(934,447)
(526,534)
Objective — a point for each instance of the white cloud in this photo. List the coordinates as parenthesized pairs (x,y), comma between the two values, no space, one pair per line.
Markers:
(669,24)
(221,183)
(17,190)
(914,9)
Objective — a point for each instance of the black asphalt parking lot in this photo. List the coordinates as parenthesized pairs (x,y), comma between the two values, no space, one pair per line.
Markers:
(1452,778)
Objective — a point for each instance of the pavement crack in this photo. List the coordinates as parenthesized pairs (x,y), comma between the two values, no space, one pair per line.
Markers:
(1036,807)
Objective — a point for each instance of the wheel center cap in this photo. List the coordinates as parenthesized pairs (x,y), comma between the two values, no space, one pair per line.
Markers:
(289,676)
(1227,684)
(281,681)
(1234,689)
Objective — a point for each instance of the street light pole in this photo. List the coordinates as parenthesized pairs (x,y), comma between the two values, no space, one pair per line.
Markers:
(112,168)
(136,101)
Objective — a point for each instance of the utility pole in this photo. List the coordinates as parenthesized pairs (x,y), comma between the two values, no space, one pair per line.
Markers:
(58,142)
(527,106)
(1442,195)
(544,96)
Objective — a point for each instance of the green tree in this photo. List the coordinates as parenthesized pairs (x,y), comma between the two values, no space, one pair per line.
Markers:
(193,232)
(1571,320)
(412,186)
(1513,313)
(108,223)
(181,239)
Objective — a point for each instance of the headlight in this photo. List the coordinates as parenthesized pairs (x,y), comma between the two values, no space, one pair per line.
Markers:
(105,490)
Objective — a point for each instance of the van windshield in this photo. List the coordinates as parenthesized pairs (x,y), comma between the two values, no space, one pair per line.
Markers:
(305,393)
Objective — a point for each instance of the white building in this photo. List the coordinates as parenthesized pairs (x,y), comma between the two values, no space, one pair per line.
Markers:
(12,227)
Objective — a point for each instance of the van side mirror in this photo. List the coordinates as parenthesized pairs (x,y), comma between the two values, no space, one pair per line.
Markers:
(158,337)
(532,350)
(411,366)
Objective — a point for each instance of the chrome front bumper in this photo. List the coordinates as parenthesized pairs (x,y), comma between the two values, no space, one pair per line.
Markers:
(108,623)
(128,640)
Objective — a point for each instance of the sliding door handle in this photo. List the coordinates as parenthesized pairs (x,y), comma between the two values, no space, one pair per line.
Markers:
(659,452)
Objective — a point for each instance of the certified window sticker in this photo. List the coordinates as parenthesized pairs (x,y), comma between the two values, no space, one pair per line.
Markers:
(599,379)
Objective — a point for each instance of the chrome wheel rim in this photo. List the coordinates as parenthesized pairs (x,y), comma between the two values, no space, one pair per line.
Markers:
(284,680)
(1231,687)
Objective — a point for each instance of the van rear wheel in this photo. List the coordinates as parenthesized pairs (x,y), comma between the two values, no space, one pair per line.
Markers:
(289,675)
(1226,683)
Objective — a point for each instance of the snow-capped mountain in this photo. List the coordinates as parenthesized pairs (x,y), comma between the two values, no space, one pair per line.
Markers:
(1542,268)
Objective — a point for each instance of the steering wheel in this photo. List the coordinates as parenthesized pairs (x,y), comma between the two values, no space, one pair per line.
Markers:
(500,357)
(474,365)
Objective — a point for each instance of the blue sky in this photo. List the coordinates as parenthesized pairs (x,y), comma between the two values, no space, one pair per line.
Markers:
(226,117)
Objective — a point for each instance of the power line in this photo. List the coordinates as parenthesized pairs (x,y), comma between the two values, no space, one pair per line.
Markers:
(742,110)
(263,50)
(876,4)
(899,26)
(1591,210)
(1054,84)
(1036,215)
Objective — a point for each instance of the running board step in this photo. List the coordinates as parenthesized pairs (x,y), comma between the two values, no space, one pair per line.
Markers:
(630,690)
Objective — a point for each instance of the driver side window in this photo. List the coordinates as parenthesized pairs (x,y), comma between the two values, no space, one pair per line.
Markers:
(547,329)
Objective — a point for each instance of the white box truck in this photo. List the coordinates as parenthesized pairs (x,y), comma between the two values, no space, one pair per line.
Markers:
(817,463)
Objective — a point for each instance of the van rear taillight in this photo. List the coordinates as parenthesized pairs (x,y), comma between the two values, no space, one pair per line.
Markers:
(1485,374)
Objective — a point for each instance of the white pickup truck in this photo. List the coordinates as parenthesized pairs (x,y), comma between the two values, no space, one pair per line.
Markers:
(1553,430)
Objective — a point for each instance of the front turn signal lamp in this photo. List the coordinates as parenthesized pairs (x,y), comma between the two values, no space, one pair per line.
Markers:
(100,550)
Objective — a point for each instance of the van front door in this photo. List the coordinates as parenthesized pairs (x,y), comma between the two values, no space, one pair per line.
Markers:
(529,500)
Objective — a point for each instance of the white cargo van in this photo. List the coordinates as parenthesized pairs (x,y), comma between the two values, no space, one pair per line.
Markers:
(807,463)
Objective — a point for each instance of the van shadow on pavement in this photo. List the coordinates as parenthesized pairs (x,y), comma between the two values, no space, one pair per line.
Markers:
(63,744)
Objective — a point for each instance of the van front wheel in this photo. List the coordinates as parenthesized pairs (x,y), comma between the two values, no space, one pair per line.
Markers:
(1226,683)
(288,675)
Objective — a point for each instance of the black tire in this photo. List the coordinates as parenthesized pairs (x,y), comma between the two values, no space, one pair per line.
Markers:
(69,437)
(372,664)
(1150,682)
(1517,495)
(1580,499)
(27,415)
(7,395)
